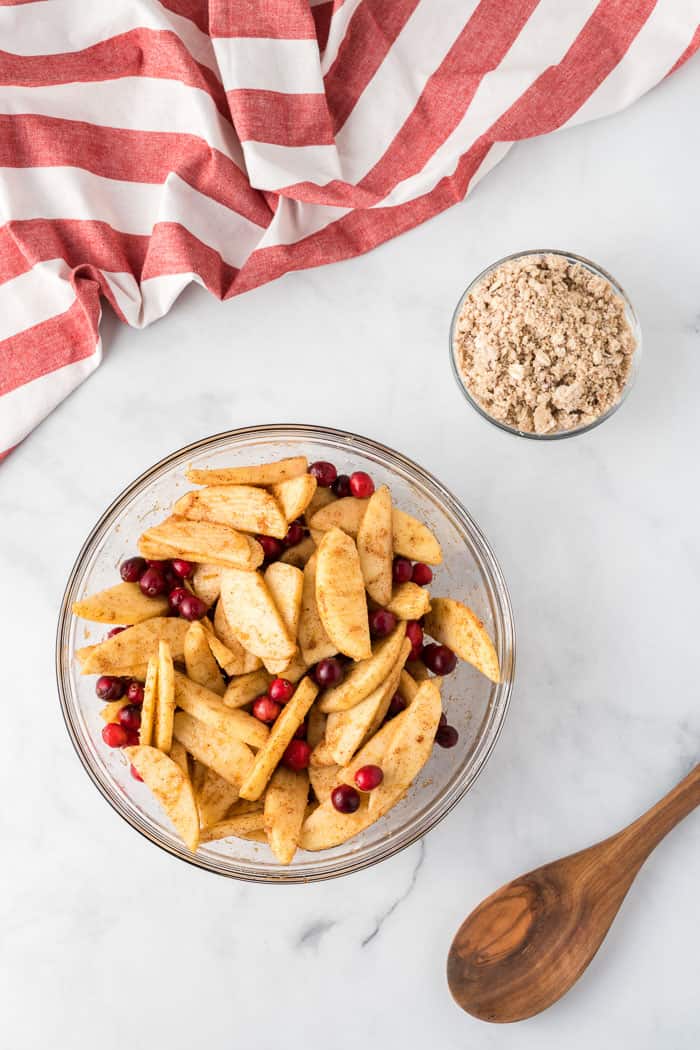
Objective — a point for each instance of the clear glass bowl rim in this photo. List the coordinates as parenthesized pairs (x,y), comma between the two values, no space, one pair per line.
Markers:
(414,829)
(631,316)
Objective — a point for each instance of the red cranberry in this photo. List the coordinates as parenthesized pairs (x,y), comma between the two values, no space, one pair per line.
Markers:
(132,569)
(175,597)
(172,580)
(295,534)
(115,630)
(414,633)
(341,486)
(301,731)
(130,716)
(345,798)
(368,778)
(381,623)
(265,710)
(109,688)
(422,574)
(114,735)
(132,738)
(280,690)
(446,736)
(402,570)
(328,672)
(397,705)
(183,568)
(324,472)
(153,582)
(135,774)
(155,563)
(443,719)
(361,485)
(192,608)
(272,548)
(439,659)
(134,693)
(297,755)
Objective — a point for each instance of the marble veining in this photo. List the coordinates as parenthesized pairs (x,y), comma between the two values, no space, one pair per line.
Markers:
(106,941)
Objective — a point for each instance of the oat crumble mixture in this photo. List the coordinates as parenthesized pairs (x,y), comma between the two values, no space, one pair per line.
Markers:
(543,344)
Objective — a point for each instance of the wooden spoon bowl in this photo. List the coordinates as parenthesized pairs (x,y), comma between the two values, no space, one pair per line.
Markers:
(524,946)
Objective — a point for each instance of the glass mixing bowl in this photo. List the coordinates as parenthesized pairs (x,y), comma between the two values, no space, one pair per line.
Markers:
(474,705)
(632,320)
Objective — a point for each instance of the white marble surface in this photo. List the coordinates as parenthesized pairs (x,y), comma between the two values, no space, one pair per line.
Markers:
(106,942)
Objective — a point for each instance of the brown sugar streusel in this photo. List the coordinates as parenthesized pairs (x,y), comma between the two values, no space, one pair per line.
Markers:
(543,344)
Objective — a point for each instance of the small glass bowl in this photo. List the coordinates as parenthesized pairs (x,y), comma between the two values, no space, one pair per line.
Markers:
(629,314)
(475,706)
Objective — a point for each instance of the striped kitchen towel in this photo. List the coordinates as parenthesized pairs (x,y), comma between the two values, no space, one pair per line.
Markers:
(145,144)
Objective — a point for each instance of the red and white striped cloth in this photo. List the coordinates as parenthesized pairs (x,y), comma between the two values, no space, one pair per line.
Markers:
(147,144)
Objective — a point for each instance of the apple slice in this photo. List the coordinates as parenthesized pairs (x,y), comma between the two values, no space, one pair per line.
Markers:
(314,643)
(366,675)
(201,665)
(201,541)
(409,749)
(244,507)
(222,752)
(345,730)
(285,806)
(170,787)
(254,617)
(285,583)
(207,707)
(409,601)
(260,474)
(291,717)
(453,624)
(125,603)
(165,708)
(294,495)
(375,546)
(134,646)
(340,595)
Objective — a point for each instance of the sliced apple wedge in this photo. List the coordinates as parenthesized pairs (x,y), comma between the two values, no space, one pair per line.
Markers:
(244,688)
(365,675)
(285,583)
(346,730)
(201,541)
(340,595)
(453,624)
(293,714)
(253,616)
(374,545)
(165,708)
(206,582)
(294,495)
(169,785)
(124,603)
(409,749)
(409,601)
(260,474)
(214,798)
(201,665)
(241,662)
(222,752)
(207,707)
(285,806)
(410,537)
(243,507)
(314,643)
(135,645)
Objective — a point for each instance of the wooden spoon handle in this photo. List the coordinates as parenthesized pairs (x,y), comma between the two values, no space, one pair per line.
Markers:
(641,837)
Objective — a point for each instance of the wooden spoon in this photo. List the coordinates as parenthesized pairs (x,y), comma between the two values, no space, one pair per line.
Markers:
(526,944)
